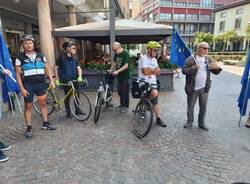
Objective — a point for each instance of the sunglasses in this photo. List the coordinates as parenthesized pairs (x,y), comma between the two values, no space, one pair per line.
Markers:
(205,48)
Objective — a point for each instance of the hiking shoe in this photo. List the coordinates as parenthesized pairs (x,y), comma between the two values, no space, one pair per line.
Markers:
(48,126)
(160,122)
(28,132)
(3,157)
(4,147)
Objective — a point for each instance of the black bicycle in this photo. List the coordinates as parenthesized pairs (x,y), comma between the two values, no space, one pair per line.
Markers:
(104,94)
(143,113)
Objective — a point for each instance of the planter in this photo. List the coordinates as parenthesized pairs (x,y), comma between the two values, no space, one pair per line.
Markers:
(166,80)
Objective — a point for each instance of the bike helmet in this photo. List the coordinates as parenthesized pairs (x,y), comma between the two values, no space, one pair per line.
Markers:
(153,45)
(27,37)
(68,44)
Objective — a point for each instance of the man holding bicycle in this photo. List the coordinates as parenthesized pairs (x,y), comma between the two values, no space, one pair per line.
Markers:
(67,69)
(31,67)
(148,69)
(120,65)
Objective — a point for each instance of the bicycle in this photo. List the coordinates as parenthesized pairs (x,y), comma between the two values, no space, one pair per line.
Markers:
(80,101)
(104,94)
(143,113)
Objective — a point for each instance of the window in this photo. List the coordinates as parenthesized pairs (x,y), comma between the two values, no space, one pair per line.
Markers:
(222,26)
(190,29)
(237,24)
(179,17)
(180,28)
(192,17)
(224,14)
(239,11)
(205,17)
(165,16)
(166,2)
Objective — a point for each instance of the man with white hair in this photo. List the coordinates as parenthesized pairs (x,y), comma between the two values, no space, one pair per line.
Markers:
(120,68)
(197,69)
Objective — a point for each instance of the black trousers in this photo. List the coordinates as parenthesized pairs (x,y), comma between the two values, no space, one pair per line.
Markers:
(66,90)
(123,92)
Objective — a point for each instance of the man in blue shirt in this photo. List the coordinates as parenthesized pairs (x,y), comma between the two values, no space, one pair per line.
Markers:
(67,69)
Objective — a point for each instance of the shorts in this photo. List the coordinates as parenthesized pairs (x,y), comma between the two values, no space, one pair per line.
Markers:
(38,89)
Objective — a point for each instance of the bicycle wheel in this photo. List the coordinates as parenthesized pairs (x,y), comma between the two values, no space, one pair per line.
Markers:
(49,103)
(98,107)
(143,118)
(109,94)
(80,106)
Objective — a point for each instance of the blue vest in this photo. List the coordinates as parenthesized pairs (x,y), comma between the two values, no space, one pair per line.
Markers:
(32,71)
(67,68)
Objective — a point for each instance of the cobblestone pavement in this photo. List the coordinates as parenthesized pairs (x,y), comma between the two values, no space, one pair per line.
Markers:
(109,153)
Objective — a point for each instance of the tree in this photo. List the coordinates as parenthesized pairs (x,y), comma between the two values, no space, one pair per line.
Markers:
(226,38)
(203,37)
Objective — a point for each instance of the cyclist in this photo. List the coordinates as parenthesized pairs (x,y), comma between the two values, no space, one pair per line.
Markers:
(31,67)
(148,69)
(67,69)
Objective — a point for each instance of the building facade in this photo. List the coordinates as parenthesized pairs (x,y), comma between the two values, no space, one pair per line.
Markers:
(233,17)
(188,16)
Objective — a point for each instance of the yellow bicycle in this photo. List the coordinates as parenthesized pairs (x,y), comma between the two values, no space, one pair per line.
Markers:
(78,101)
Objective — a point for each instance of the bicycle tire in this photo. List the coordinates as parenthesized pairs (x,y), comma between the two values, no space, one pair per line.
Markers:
(109,94)
(143,104)
(80,101)
(49,103)
(98,107)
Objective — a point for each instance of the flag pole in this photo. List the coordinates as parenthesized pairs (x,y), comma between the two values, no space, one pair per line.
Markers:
(244,101)
(1,66)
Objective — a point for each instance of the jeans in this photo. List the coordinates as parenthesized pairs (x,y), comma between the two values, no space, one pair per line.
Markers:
(191,101)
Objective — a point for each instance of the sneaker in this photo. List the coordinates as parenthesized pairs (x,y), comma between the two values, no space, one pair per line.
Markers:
(4,147)
(3,157)
(28,132)
(160,122)
(187,125)
(48,126)
(118,107)
(124,109)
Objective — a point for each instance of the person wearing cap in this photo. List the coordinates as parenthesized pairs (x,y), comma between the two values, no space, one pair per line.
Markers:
(120,68)
(67,69)
(148,69)
(31,68)
(197,69)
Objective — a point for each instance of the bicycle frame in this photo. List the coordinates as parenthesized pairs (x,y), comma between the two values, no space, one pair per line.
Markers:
(71,92)
(104,92)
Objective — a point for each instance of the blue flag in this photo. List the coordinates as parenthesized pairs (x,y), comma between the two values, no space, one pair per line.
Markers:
(8,84)
(179,51)
(245,90)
